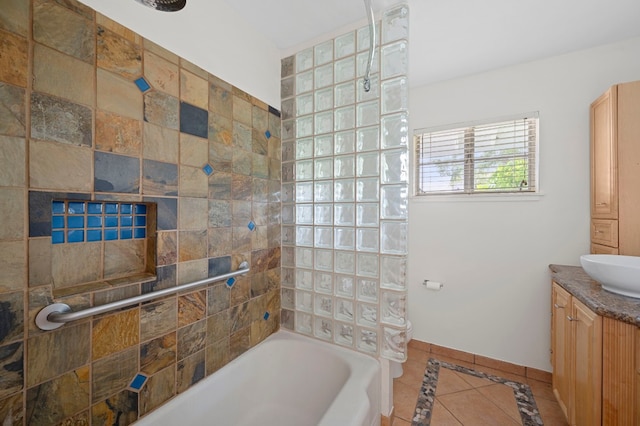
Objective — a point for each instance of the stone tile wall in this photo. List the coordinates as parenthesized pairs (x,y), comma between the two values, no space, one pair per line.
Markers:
(74,125)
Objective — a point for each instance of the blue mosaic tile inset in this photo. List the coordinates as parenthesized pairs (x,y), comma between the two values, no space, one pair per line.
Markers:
(207,169)
(266,315)
(142,84)
(251,226)
(138,382)
(230,282)
(89,221)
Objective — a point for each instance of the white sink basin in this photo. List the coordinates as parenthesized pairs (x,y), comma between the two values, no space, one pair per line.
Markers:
(617,274)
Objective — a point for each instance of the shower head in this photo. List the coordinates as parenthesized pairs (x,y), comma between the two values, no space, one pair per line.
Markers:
(164,5)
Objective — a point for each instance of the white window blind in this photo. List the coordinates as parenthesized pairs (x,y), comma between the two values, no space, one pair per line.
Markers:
(499,156)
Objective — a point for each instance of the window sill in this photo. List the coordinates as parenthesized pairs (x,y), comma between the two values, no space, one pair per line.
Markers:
(492,198)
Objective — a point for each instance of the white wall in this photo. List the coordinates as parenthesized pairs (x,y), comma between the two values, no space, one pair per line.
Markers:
(492,256)
(211,35)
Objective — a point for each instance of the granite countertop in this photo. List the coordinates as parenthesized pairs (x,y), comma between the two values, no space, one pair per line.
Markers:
(590,292)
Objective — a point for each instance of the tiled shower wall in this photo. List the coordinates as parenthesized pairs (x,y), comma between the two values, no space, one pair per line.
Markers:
(204,156)
(345,190)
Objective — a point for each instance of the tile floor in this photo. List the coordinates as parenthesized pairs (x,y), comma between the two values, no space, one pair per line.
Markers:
(466,400)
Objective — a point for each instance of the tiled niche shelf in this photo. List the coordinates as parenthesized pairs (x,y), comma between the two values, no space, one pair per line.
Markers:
(100,245)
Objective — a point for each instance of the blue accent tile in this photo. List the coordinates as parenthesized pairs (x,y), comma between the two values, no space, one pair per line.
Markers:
(167,213)
(94,235)
(140,209)
(126,208)
(75,236)
(139,233)
(57,237)
(75,222)
(251,226)
(219,265)
(126,234)
(57,222)
(57,207)
(75,207)
(116,173)
(111,208)
(162,177)
(94,208)
(194,120)
(126,221)
(138,382)
(142,84)
(267,134)
(266,316)
(111,221)
(140,221)
(207,169)
(230,282)
(110,234)
(94,221)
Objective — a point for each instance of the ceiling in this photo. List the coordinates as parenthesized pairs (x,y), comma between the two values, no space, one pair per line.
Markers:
(453,38)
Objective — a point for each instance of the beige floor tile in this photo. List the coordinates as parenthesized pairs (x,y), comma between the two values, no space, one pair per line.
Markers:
(473,409)
(401,422)
(442,417)
(503,397)
(413,373)
(474,381)
(541,390)
(450,382)
(417,355)
(404,400)
(550,412)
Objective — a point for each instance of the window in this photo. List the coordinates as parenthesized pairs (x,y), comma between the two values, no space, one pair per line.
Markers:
(499,156)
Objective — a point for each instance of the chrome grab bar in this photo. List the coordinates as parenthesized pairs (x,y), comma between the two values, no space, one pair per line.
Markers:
(58,314)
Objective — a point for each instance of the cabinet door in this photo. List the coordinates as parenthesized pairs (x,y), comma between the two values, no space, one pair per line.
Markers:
(561,347)
(586,334)
(604,164)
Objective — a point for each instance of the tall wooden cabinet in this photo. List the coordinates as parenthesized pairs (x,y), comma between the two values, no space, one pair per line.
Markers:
(615,171)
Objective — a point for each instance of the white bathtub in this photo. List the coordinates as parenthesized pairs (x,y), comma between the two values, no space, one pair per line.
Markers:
(287,380)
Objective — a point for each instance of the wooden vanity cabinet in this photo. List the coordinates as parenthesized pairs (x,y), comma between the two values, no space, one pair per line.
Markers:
(615,171)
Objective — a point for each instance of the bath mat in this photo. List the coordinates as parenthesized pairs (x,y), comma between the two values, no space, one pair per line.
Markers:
(521,391)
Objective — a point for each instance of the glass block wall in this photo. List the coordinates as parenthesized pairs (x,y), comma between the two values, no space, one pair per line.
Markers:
(345,189)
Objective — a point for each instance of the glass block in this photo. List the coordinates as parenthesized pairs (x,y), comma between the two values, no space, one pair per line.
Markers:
(344,214)
(364,37)
(394,344)
(96,208)
(324,260)
(76,236)
(323,190)
(345,45)
(126,208)
(345,94)
(345,69)
(344,238)
(304,323)
(287,214)
(289,192)
(289,235)
(345,262)
(304,82)
(367,341)
(324,237)
(111,221)
(288,174)
(368,139)
(367,239)
(304,60)
(57,237)
(344,142)
(323,282)
(75,221)
(304,192)
(394,201)
(304,126)
(344,166)
(126,221)
(393,237)
(343,310)
(288,151)
(288,277)
(394,308)
(324,99)
(74,207)
(368,164)
(362,59)
(324,122)
(323,305)
(344,334)
(288,298)
(324,52)
(57,222)
(304,236)
(324,145)
(395,130)
(94,235)
(368,265)
(304,213)
(288,129)
(323,329)
(395,24)
(323,214)
(111,208)
(288,108)
(344,118)
(395,95)
(344,190)
(58,207)
(367,214)
(110,234)
(126,234)
(367,315)
(395,166)
(324,168)
(395,59)
(393,272)
(367,189)
(374,89)
(344,286)
(96,221)
(367,114)
(288,257)
(304,104)
(367,290)
(304,279)
(140,220)
(286,87)
(324,76)
(304,170)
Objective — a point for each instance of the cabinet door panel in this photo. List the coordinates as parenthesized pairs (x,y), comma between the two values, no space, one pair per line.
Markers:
(604,165)
(560,347)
